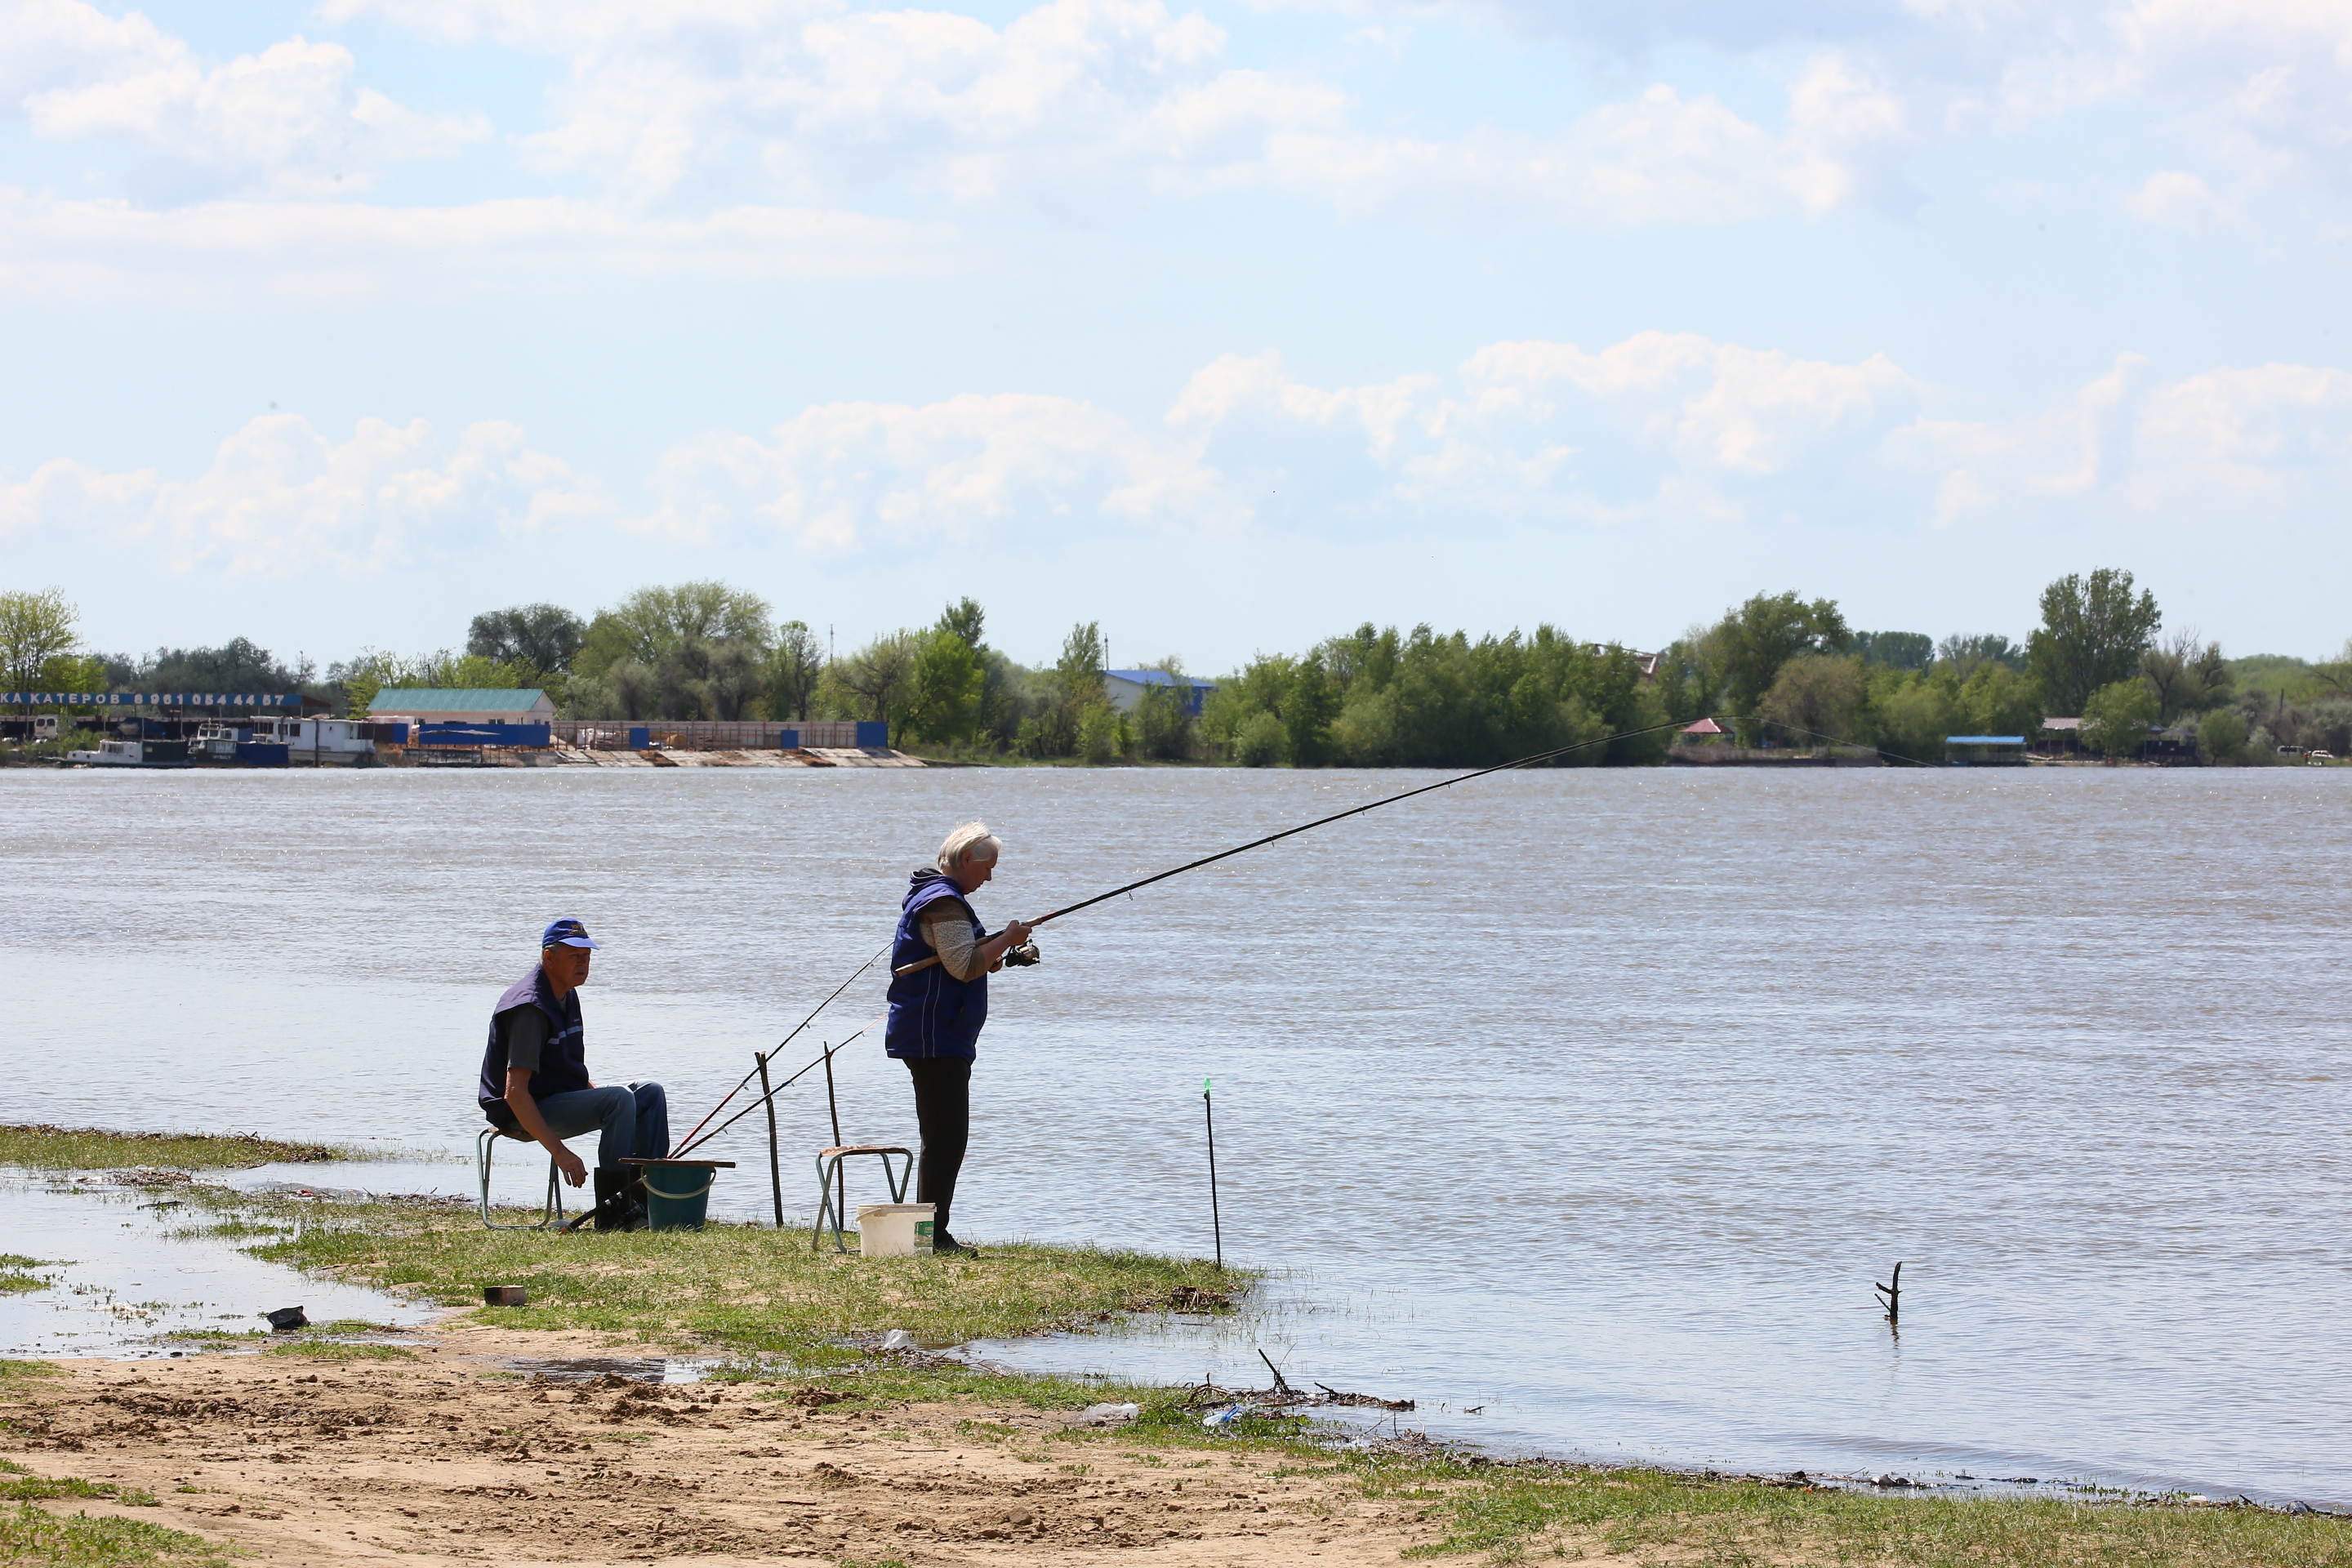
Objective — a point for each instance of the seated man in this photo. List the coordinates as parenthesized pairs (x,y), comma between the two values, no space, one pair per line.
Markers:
(535,1081)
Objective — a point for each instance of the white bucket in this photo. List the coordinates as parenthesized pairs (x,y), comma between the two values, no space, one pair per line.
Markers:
(894,1230)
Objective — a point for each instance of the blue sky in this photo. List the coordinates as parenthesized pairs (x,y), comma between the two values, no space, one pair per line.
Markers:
(1229,326)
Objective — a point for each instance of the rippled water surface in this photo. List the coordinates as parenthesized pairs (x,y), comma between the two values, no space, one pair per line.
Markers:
(1593,1101)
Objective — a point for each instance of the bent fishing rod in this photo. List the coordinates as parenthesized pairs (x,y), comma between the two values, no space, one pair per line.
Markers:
(696,1137)
(1528,761)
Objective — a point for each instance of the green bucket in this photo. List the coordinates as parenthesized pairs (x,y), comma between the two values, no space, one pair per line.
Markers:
(677,1192)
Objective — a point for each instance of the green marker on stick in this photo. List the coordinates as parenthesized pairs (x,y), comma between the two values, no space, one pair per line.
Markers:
(1215,1225)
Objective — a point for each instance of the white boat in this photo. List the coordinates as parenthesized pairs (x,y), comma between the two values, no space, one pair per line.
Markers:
(132,754)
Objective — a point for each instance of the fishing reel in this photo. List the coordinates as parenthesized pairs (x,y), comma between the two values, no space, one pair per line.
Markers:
(1022,957)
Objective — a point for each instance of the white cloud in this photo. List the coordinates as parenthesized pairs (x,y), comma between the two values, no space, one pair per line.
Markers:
(290,121)
(1079,106)
(281,500)
(966,471)
(1662,430)
(2179,200)
(51,247)
(2214,450)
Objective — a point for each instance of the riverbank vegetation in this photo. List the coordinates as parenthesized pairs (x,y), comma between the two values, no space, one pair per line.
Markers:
(796,1335)
(1777,669)
(726,1289)
(40,1147)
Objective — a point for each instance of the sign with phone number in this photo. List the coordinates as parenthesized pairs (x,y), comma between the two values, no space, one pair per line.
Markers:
(148,699)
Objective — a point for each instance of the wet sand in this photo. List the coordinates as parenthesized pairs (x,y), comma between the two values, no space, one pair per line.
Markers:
(442,1458)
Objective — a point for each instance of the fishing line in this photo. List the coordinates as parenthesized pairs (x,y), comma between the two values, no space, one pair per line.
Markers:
(1326,821)
(787,1040)
(824,1056)
(1527,761)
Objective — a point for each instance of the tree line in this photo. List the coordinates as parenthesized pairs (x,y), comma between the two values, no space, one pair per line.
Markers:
(1777,670)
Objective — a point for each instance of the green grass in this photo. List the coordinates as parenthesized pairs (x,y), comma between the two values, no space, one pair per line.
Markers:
(29,1535)
(16,1273)
(1535,1513)
(18,1484)
(44,1148)
(741,1290)
(336,1350)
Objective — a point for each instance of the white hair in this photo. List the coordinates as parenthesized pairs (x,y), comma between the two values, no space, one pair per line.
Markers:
(973,841)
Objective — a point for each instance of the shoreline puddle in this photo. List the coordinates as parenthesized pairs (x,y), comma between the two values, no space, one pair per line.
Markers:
(127,1277)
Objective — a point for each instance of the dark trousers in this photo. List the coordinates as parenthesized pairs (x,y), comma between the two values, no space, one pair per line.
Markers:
(943,1113)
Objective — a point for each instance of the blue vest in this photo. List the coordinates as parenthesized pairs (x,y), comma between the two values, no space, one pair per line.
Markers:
(932,1014)
(562,1061)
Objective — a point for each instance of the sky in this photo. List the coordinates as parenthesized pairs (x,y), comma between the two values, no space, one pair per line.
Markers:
(1230,326)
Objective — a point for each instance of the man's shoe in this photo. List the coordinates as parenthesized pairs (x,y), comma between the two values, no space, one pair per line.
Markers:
(946,1246)
(635,1218)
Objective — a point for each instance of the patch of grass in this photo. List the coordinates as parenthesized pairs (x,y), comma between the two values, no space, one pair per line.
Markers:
(14,1279)
(1513,1513)
(32,1535)
(20,1485)
(15,1369)
(45,1148)
(336,1350)
(745,1290)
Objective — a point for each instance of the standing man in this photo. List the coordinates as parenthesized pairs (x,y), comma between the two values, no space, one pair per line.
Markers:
(535,1081)
(936,1012)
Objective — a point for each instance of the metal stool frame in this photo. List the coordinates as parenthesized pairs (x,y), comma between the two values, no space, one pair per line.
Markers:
(828,1166)
(549,1215)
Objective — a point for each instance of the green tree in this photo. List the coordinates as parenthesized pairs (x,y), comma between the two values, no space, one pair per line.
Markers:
(1307,709)
(2116,719)
(1163,716)
(2222,736)
(1916,714)
(1898,650)
(237,665)
(1997,699)
(965,619)
(68,673)
(1817,700)
(879,677)
(35,627)
(943,701)
(2091,635)
(649,623)
(1748,646)
(545,637)
(1987,647)
(793,668)
(2186,679)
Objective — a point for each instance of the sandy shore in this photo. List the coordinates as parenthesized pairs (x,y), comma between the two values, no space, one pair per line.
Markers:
(447,1457)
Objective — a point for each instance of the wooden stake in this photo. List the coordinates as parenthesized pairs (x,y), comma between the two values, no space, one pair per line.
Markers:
(775,1168)
(1893,1294)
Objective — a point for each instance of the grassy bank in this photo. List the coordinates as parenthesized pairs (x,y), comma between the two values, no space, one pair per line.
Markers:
(741,1290)
(44,1148)
(798,1327)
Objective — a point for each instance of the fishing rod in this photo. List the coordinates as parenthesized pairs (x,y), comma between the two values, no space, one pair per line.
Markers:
(824,1057)
(787,1040)
(1527,761)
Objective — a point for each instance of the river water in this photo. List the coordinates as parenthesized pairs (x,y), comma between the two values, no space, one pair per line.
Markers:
(1582,1107)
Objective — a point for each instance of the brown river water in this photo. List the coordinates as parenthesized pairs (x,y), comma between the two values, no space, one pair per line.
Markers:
(1582,1107)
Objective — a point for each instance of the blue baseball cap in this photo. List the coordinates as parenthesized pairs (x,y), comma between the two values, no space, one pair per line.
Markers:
(570,933)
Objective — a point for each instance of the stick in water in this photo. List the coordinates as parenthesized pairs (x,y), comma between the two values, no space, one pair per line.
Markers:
(1216,1225)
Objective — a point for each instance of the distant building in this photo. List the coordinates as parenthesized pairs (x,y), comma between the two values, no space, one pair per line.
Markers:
(1127,688)
(1705,730)
(443,705)
(2061,734)
(1985,751)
